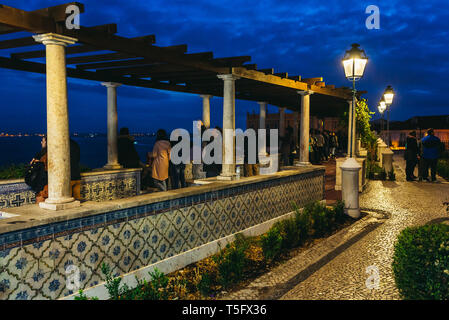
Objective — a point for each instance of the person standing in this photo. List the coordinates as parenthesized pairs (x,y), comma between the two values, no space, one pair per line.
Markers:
(160,160)
(127,154)
(431,150)
(411,155)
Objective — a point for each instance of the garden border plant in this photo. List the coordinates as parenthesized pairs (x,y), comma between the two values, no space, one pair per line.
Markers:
(238,262)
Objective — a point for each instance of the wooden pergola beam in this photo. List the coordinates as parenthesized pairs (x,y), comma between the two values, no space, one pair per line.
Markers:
(267,71)
(282,74)
(76,49)
(267,78)
(232,61)
(312,81)
(19,42)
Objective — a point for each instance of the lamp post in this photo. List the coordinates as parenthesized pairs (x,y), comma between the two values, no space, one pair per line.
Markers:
(383,107)
(388,101)
(354,63)
(381,111)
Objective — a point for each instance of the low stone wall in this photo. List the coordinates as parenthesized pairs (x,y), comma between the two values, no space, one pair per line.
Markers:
(95,186)
(140,231)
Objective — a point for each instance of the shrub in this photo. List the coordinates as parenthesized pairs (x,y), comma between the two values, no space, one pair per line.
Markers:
(82,296)
(289,233)
(339,211)
(271,244)
(204,286)
(303,224)
(421,262)
(232,261)
(443,168)
(14,171)
(321,223)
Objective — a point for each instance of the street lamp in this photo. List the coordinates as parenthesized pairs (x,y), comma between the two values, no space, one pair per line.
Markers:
(381,109)
(388,99)
(354,63)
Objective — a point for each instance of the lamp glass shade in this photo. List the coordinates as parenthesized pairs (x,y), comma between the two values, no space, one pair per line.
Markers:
(354,63)
(389,98)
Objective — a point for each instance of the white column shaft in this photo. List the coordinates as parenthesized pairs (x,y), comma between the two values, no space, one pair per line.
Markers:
(228,165)
(304,129)
(206,110)
(112,126)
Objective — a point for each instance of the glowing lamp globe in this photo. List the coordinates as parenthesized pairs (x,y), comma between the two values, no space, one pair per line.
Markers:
(354,63)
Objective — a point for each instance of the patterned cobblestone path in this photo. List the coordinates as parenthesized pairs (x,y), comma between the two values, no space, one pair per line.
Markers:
(337,267)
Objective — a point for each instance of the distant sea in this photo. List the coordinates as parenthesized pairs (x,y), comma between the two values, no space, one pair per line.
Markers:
(16,150)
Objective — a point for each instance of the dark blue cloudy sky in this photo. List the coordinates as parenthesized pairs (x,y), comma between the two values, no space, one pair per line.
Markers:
(410,52)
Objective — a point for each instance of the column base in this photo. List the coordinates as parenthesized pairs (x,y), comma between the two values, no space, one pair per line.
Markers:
(226,178)
(353,213)
(113,167)
(303,164)
(59,206)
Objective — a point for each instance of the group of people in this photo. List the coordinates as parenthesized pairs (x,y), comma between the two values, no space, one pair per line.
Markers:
(158,168)
(424,153)
(323,145)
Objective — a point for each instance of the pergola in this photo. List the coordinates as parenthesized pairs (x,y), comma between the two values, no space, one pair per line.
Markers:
(98,53)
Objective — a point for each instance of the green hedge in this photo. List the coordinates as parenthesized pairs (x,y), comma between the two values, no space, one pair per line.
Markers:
(421,263)
(443,168)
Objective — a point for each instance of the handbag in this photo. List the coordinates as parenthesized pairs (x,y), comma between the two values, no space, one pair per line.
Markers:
(36,177)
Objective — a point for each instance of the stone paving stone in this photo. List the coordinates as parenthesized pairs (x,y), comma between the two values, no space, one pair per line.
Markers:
(398,204)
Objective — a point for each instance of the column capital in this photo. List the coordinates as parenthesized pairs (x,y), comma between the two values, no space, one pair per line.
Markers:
(264,103)
(111,84)
(282,109)
(306,92)
(54,38)
(206,96)
(228,77)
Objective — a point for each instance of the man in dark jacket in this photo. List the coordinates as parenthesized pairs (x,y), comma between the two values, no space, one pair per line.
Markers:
(127,154)
(431,150)
(411,155)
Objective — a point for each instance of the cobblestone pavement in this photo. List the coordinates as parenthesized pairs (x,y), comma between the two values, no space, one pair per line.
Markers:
(337,267)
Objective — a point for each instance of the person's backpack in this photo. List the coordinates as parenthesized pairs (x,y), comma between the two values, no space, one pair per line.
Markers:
(36,176)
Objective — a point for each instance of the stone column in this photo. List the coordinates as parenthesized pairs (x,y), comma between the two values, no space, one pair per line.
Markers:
(112,126)
(228,163)
(58,136)
(281,122)
(262,120)
(304,126)
(206,110)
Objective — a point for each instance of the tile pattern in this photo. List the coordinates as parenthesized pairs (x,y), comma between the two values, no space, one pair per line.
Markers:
(101,187)
(15,195)
(34,263)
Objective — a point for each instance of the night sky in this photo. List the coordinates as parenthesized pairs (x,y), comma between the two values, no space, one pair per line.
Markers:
(410,52)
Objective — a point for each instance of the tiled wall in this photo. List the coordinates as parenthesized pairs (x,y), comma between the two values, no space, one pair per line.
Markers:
(94,187)
(33,262)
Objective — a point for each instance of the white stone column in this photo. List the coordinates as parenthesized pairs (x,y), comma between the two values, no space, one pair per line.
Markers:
(305,128)
(206,110)
(281,122)
(58,136)
(228,163)
(112,126)
(262,125)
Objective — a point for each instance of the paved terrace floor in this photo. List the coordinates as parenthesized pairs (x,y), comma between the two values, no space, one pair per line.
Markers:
(335,268)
